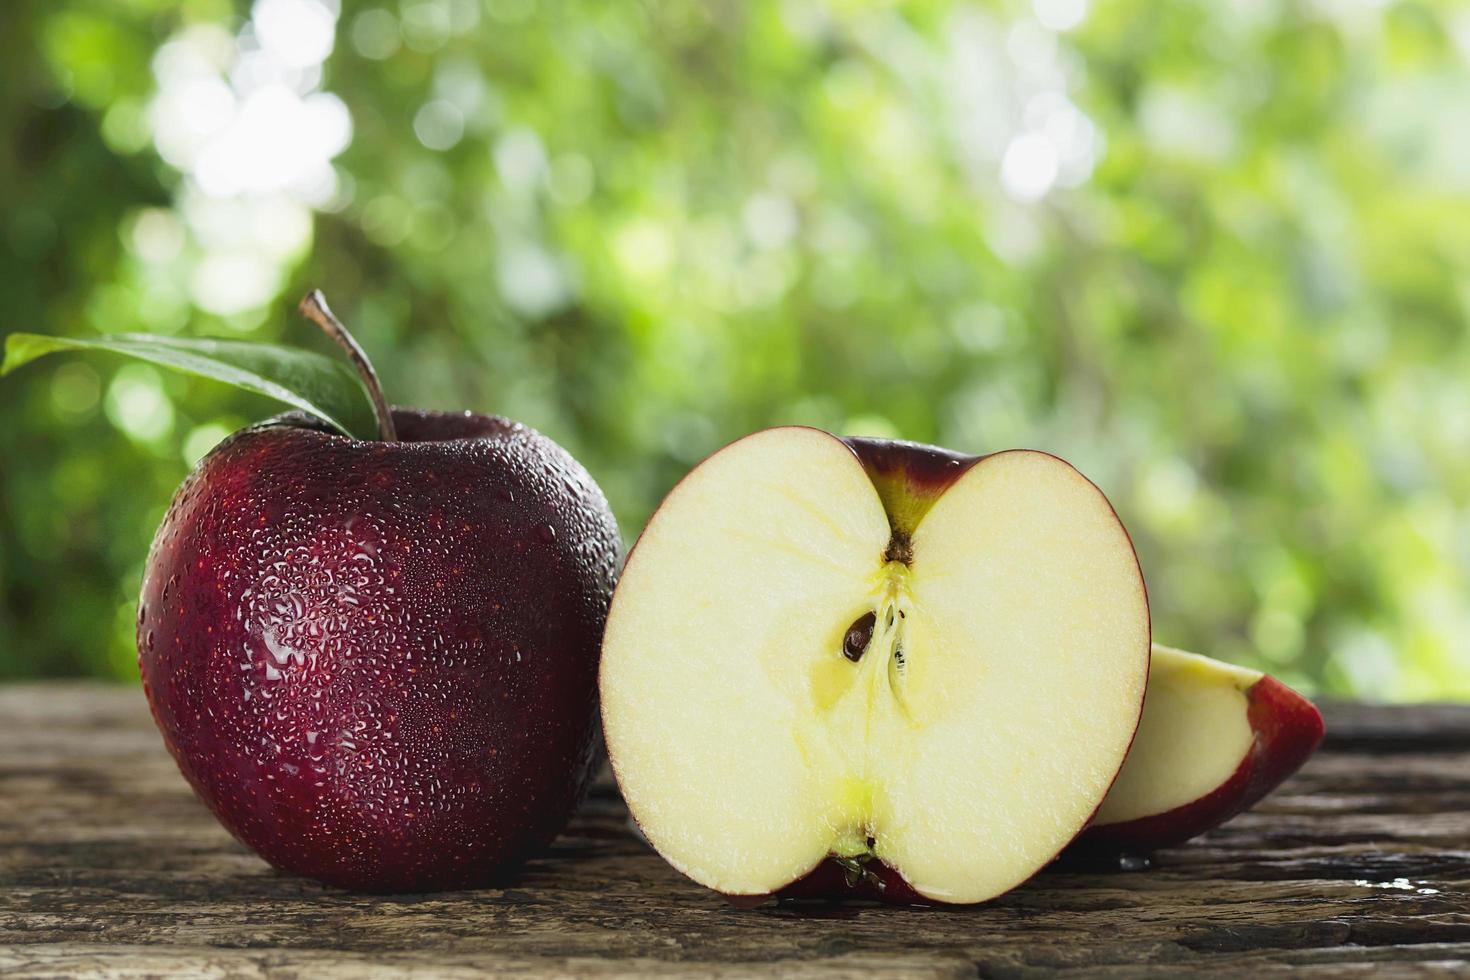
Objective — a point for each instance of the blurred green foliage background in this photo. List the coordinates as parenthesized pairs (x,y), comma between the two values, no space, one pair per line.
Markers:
(1215,254)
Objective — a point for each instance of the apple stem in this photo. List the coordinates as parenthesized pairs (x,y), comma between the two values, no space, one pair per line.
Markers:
(314,307)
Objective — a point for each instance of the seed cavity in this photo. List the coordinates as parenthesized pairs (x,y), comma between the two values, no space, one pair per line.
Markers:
(859,635)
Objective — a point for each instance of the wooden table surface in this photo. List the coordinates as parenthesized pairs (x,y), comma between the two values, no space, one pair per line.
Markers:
(1361,863)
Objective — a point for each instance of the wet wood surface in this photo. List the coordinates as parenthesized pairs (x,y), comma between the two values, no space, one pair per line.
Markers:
(108,865)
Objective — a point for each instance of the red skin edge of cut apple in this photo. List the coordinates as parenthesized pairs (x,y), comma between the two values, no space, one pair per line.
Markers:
(1286,727)
(928,471)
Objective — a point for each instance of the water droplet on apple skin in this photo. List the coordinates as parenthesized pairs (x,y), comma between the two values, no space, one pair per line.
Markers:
(341,713)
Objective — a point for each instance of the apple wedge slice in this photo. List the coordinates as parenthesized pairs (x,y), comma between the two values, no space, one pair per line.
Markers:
(1215,739)
(927,670)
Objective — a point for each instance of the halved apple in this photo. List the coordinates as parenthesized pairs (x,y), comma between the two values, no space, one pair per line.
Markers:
(1215,739)
(924,667)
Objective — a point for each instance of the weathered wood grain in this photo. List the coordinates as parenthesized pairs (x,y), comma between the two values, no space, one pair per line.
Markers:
(109,867)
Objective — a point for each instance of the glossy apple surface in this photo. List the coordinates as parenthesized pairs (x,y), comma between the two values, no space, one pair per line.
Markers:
(1214,740)
(376,661)
(872,667)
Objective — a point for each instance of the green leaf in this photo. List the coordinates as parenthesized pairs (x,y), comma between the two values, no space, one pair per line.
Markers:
(302,379)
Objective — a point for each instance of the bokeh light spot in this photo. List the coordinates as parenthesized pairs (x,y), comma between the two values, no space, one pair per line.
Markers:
(644,249)
(75,388)
(439,124)
(1060,15)
(530,280)
(298,32)
(157,235)
(137,405)
(1029,167)
(201,439)
(375,34)
(520,159)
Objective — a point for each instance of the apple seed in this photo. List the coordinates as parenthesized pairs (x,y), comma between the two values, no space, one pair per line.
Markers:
(859,635)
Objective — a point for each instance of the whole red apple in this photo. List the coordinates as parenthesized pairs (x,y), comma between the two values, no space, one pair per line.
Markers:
(376,661)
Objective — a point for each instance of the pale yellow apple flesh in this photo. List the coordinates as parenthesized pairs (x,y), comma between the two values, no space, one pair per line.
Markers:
(973,737)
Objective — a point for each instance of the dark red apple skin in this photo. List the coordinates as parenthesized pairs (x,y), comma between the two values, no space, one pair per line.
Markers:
(1287,729)
(929,470)
(830,881)
(376,662)
(909,476)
